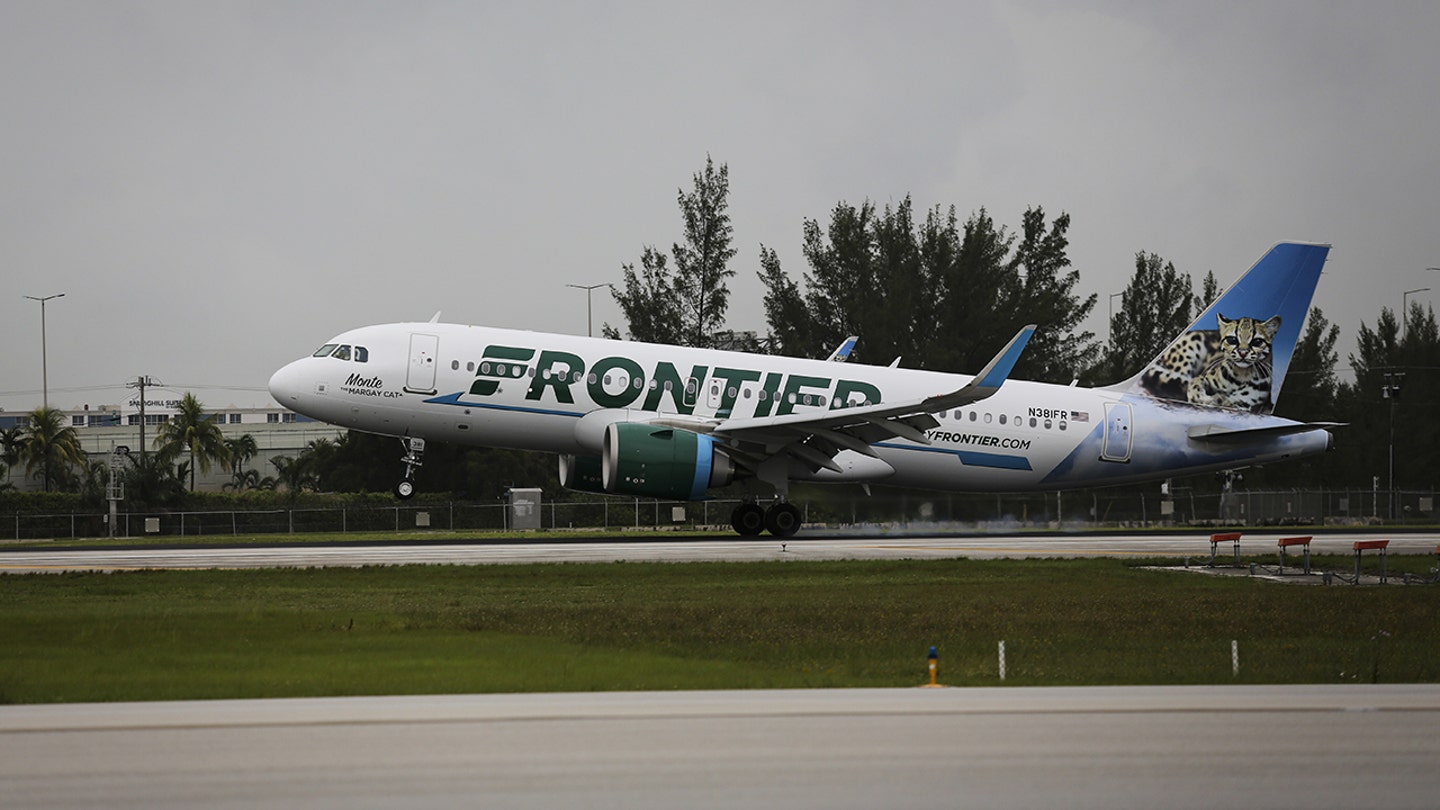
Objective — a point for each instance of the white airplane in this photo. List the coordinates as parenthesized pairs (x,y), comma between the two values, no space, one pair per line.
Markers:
(672,422)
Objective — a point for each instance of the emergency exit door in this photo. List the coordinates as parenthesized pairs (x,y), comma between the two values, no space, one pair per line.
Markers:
(1118,435)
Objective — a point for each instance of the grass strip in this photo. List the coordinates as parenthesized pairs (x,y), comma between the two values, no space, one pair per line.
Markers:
(169,635)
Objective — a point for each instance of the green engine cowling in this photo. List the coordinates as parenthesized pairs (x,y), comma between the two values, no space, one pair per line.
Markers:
(582,473)
(643,459)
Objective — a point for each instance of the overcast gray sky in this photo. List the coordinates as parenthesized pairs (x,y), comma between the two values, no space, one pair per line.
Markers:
(219,187)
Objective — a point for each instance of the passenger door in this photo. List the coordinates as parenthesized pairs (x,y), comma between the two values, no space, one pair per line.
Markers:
(420,377)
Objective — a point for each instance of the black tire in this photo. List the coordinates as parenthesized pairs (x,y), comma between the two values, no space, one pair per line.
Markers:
(405,490)
(748,519)
(782,520)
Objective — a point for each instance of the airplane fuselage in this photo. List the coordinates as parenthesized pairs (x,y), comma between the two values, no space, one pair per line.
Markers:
(557,393)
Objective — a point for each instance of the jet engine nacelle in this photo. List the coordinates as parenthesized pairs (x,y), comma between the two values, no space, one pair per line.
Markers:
(651,460)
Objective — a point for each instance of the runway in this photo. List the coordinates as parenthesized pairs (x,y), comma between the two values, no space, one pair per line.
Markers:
(1108,747)
(657,548)
(1181,747)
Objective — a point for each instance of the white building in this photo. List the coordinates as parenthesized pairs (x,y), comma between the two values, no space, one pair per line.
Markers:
(102,428)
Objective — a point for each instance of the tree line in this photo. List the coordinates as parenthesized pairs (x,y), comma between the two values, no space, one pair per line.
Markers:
(938,293)
(923,288)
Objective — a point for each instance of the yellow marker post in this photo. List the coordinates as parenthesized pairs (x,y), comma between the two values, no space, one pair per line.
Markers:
(934,667)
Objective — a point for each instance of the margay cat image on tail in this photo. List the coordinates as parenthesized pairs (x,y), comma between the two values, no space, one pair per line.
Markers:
(1227,368)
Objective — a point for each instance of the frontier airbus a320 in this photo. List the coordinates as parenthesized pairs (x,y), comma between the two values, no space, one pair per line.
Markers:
(672,422)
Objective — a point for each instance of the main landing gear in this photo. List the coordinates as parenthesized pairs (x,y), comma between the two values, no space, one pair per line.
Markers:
(414,450)
(781,520)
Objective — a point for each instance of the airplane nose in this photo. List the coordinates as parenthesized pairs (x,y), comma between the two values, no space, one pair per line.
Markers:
(285,384)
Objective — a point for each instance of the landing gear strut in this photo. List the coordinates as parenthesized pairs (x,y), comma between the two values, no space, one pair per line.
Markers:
(781,520)
(414,450)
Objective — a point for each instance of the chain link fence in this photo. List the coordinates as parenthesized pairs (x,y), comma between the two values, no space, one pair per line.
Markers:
(1093,509)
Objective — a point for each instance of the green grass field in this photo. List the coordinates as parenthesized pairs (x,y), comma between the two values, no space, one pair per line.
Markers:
(624,626)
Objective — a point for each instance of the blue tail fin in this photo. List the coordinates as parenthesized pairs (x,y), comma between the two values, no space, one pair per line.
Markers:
(1236,353)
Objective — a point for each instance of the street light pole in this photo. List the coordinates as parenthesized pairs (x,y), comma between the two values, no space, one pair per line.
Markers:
(1391,391)
(589,308)
(44,363)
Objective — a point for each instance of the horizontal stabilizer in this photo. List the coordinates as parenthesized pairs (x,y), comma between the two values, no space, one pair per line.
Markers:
(1218,433)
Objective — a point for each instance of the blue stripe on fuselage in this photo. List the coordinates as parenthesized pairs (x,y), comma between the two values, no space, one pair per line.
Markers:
(970,458)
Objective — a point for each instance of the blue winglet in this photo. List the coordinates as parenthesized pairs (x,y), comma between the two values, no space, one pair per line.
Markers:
(842,352)
(995,374)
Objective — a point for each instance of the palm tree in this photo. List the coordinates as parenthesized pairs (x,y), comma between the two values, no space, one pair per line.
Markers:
(242,448)
(11,441)
(152,481)
(294,473)
(250,479)
(50,445)
(190,430)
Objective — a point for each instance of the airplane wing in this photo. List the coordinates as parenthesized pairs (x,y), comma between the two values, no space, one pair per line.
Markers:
(815,438)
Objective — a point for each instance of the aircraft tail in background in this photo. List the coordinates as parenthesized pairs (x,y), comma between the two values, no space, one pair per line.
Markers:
(1236,353)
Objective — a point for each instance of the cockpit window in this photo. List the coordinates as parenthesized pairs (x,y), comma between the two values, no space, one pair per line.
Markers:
(341,351)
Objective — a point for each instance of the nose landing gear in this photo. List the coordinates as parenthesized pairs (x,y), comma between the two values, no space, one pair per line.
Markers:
(414,450)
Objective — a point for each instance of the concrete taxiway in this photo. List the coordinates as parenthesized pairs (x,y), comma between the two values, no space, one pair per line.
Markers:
(657,548)
(1314,747)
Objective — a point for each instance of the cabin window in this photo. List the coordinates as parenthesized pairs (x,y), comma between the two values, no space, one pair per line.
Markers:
(1062,425)
(1032,422)
(987,418)
(654,385)
(530,371)
(1002,418)
(636,383)
(470,366)
(1047,424)
(454,365)
(972,416)
(324,351)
